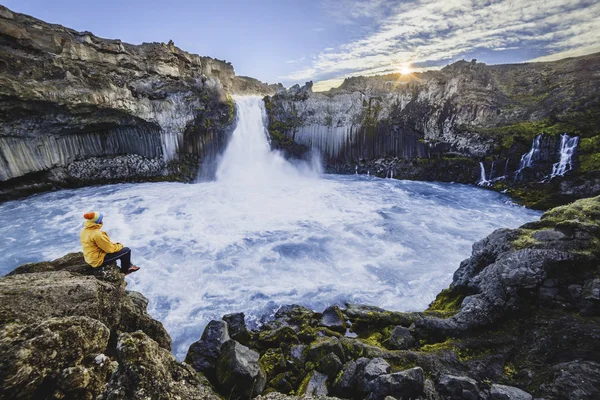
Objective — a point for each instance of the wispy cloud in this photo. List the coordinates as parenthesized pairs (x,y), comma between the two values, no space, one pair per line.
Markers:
(431,32)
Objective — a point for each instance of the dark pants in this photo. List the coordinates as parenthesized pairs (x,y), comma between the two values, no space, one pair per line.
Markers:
(124,255)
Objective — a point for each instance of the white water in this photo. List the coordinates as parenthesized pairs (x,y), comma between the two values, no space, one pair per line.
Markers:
(568,145)
(267,233)
(528,158)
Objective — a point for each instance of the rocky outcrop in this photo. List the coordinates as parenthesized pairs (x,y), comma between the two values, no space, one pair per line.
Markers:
(422,125)
(520,319)
(76,109)
(70,331)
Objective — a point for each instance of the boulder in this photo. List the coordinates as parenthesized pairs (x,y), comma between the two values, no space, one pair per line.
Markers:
(374,368)
(324,346)
(458,387)
(345,384)
(204,354)
(400,339)
(333,319)
(330,365)
(502,392)
(238,330)
(403,384)
(238,371)
(147,371)
(313,385)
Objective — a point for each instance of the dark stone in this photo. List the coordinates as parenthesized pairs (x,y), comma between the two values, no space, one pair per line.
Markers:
(376,367)
(345,384)
(334,319)
(591,290)
(575,380)
(330,365)
(403,384)
(502,392)
(400,339)
(237,327)
(458,387)
(238,371)
(204,354)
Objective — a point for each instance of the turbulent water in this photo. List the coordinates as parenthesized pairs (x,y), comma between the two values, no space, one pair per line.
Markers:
(267,233)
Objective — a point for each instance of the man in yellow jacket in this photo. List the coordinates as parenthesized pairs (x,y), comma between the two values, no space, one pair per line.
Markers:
(98,250)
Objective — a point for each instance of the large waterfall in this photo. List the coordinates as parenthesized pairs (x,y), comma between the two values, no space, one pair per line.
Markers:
(248,158)
(266,233)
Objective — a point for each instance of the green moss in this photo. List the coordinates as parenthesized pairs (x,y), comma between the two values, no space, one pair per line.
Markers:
(230,109)
(272,361)
(373,339)
(448,345)
(446,303)
(525,239)
(589,162)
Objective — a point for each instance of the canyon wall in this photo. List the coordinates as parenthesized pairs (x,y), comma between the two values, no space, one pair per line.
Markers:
(441,124)
(77,109)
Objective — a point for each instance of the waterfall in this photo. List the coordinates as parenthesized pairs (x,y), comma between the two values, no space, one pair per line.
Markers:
(248,159)
(482,180)
(527,159)
(568,145)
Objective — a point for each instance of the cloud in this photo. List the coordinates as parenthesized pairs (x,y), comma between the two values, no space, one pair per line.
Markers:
(431,32)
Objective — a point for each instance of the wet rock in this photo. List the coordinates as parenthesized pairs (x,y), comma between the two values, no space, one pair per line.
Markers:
(403,384)
(330,365)
(458,387)
(501,392)
(276,337)
(147,371)
(204,354)
(238,371)
(237,327)
(400,339)
(315,384)
(334,319)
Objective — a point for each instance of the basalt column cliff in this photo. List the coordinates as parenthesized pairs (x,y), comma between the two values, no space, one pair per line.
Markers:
(468,122)
(76,109)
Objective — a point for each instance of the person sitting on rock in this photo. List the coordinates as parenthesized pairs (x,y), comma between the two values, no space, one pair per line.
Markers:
(98,250)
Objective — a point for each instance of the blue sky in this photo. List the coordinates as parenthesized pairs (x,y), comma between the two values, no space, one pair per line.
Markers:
(293,41)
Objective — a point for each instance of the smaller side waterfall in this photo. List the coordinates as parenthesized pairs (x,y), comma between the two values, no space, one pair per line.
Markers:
(568,145)
(527,159)
(482,180)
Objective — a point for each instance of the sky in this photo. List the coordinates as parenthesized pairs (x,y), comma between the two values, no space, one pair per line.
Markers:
(294,41)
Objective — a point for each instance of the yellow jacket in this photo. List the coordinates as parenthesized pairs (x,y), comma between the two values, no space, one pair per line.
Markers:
(96,244)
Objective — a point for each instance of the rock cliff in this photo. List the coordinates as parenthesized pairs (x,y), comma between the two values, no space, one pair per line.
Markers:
(77,109)
(422,125)
(520,319)
(70,331)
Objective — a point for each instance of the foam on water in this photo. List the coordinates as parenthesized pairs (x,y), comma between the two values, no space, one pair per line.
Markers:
(267,233)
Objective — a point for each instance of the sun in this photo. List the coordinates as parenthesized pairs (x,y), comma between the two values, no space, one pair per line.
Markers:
(406,70)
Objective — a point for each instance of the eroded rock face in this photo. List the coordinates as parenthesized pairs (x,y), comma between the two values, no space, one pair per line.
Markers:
(64,334)
(145,370)
(76,109)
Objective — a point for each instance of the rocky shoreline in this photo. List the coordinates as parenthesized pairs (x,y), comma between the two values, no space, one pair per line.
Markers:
(520,320)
